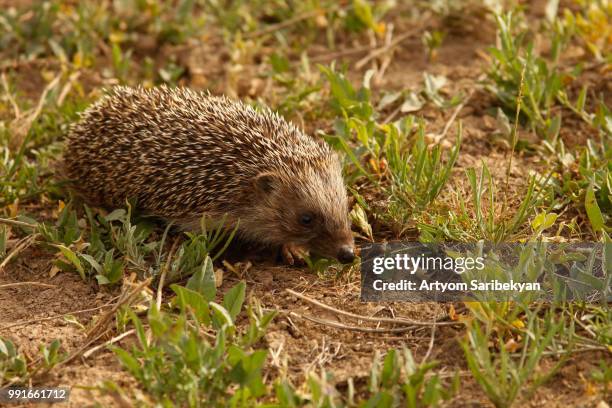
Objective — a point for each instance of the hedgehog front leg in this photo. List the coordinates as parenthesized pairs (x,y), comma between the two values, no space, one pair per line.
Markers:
(293,254)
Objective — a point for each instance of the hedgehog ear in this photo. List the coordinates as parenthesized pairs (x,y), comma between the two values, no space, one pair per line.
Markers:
(265,182)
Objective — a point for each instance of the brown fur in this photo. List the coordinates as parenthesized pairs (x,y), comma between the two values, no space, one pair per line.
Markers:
(183,154)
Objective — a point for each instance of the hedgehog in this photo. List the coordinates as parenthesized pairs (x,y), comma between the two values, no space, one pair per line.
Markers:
(184,155)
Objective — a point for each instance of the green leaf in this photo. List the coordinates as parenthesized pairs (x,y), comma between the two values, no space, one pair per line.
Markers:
(592,209)
(128,360)
(246,368)
(233,299)
(3,348)
(553,128)
(102,280)
(140,331)
(412,103)
(221,316)
(50,354)
(390,370)
(360,220)
(363,11)
(607,251)
(543,221)
(72,257)
(188,298)
(112,269)
(116,215)
(279,63)
(203,281)
(286,395)
(91,261)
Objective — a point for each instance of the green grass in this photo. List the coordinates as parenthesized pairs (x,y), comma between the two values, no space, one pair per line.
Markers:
(503,376)
(517,63)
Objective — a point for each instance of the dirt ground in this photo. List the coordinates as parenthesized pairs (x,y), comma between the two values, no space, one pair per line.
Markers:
(29,313)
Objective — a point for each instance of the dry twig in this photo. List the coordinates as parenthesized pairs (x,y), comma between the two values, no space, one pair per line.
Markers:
(399,320)
(115,339)
(17,284)
(289,22)
(375,53)
(431,343)
(21,245)
(337,325)
(125,298)
(451,120)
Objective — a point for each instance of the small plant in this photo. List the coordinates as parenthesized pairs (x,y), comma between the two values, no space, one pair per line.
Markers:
(588,186)
(411,175)
(400,380)
(15,369)
(517,66)
(417,178)
(4,234)
(66,230)
(491,219)
(432,41)
(88,257)
(13,364)
(299,86)
(20,178)
(395,380)
(366,14)
(502,375)
(195,357)
(119,240)
(489,224)
(518,69)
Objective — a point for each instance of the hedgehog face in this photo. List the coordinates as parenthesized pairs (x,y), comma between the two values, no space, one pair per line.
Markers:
(309,210)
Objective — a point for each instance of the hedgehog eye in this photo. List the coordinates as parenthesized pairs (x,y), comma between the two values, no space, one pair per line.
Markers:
(307,219)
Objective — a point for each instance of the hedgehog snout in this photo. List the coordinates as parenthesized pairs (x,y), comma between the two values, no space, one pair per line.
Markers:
(341,248)
(346,254)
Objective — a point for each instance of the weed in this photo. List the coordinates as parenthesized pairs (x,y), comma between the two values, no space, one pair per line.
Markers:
(178,363)
(541,84)
(588,186)
(299,86)
(432,41)
(411,176)
(13,365)
(397,379)
(516,62)
(417,178)
(121,61)
(503,377)
(116,243)
(488,221)
(16,369)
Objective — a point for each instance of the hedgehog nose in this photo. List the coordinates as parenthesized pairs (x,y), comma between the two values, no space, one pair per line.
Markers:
(346,254)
